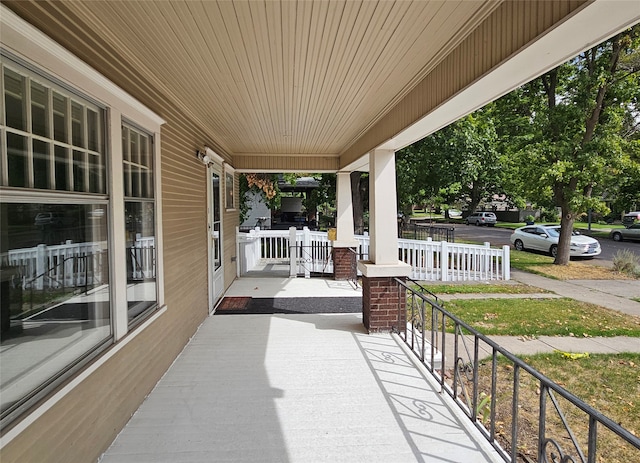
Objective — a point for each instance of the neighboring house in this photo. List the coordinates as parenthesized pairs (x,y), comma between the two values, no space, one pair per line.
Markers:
(129,122)
(291,212)
(258,215)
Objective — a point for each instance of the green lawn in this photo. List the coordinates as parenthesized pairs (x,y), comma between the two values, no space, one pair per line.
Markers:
(527,261)
(480,288)
(537,317)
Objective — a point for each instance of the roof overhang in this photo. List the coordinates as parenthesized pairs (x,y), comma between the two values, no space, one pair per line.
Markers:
(315,86)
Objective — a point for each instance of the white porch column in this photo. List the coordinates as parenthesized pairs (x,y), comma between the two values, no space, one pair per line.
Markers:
(345,245)
(344,213)
(383,215)
(383,299)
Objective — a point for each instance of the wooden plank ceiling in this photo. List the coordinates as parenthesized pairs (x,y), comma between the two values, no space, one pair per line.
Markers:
(277,77)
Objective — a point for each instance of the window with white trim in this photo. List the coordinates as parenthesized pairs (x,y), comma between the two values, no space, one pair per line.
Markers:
(60,249)
(139,209)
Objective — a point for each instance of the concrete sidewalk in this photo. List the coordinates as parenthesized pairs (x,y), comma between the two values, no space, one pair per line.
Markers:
(520,345)
(612,294)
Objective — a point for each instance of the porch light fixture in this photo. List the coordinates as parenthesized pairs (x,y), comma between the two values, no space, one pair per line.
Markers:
(208,156)
(203,157)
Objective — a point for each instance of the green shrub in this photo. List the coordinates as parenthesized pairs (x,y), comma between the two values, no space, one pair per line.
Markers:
(627,262)
(549,216)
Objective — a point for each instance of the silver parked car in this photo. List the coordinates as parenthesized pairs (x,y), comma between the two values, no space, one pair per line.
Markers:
(545,238)
(631,218)
(481,218)
(630,233)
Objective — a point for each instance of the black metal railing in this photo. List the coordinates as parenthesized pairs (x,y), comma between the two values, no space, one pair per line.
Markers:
(431,332)
(421,231)
(313,258)
(353,274)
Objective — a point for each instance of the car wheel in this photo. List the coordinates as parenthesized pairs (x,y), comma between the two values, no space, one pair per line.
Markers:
(477,223)
(519,245)
(617,236)
(553,251)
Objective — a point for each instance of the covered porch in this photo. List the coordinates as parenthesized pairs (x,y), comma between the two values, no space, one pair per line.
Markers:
(245,87)
(296,388)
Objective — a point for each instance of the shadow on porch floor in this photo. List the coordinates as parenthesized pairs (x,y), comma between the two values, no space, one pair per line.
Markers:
(295,388)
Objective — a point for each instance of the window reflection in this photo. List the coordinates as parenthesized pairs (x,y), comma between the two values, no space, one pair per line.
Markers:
(140,221)
(141,257)
(215,232)
(54,293)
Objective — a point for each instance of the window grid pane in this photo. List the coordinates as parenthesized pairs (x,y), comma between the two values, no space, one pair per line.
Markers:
(41,164)
(62,163)
(77,125)
(17,160)
(59,117)
(137,163)
(15,100)
(39,110)
(79,171)
(37,113)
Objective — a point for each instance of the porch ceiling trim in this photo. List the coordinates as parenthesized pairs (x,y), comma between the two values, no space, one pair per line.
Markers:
(285,163)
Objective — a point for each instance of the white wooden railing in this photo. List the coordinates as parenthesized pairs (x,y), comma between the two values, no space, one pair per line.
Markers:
(75,264)
(48,267)
(142,258)
(429,260)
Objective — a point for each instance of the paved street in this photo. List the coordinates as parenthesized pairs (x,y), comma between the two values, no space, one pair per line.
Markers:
(500,237)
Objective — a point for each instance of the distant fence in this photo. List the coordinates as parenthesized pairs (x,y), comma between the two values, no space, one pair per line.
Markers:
(424,231)
(310,252)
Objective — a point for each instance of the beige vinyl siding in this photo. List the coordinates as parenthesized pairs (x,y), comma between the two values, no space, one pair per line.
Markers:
(84,423)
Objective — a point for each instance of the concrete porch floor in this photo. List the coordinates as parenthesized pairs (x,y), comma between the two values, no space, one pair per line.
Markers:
(280,286)
(296,388)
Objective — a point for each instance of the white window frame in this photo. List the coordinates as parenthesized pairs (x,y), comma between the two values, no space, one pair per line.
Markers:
(39,52)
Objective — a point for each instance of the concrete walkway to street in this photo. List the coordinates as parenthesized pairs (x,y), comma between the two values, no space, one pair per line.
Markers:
(611,294)
(521,345)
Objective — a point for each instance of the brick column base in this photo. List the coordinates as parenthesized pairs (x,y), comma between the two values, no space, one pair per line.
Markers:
(344,264)
(383,304)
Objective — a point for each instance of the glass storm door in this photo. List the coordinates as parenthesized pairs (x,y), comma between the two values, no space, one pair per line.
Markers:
(214,233)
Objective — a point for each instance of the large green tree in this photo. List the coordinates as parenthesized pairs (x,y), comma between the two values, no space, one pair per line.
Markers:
(568,127)
(459,162)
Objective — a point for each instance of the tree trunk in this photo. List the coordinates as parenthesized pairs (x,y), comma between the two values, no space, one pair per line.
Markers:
(358,205)
(474,197)
(564,242)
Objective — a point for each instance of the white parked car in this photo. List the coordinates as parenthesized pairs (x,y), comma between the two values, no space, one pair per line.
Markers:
(545,238)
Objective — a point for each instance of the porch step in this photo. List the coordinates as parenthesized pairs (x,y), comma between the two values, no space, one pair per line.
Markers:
(417,346)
